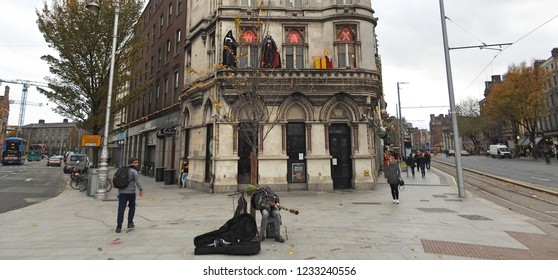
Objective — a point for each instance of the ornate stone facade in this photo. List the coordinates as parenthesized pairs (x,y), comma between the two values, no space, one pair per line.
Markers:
(316,95)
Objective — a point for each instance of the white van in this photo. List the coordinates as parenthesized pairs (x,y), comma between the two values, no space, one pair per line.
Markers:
(73,159)
(499,151)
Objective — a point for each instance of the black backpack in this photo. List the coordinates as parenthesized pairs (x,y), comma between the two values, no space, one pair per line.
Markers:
(121,178)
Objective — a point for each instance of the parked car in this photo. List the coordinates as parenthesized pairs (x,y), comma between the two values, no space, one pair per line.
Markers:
(54,161)
(464,153)
(450,153)
(72,161)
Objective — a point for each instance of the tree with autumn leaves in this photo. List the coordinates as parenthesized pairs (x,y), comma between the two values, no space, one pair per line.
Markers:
(519,101)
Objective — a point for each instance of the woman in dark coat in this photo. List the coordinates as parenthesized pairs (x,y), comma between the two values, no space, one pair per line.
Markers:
(392,175)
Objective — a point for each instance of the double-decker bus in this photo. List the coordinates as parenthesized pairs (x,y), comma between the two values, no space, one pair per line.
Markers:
(13,150)
(36,152)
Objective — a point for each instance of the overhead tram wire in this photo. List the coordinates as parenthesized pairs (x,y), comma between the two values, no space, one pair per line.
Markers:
(505,48)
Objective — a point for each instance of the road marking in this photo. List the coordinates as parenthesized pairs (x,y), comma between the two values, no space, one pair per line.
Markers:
(541,179)
(28,179)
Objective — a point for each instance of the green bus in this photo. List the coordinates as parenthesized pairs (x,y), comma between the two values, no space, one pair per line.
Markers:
(34,155)
(35,152)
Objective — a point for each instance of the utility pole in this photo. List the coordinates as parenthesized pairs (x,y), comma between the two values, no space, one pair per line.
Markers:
(460,184)
(453,113)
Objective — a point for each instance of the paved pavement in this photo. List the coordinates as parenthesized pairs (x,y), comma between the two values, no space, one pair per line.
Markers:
(430,223)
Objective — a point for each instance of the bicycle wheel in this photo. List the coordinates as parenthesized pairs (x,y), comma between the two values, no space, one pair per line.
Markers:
(74,183)
(83,185)
(109,185)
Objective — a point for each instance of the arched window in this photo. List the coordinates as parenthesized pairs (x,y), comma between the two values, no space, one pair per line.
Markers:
(294,49)
(248,56)
(346,46)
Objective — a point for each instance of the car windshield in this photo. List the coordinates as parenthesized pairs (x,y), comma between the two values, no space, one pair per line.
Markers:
(504,149)
(76,157)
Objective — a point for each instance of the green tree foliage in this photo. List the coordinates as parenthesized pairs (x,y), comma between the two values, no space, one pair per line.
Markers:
(471,123)
(80,71)
(520,98)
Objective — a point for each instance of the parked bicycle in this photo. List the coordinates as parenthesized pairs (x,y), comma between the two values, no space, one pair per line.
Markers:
(147,169)
(79,177)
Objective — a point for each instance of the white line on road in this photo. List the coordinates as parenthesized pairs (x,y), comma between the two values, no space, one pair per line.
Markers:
(28,179)
(540,179)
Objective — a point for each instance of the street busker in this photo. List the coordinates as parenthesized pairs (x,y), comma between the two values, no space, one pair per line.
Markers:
(268,202)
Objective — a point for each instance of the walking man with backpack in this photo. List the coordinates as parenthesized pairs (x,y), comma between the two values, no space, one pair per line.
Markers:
(126,180)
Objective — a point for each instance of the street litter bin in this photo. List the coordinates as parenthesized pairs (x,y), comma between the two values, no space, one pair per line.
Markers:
(93,183)
(159,174)
(169,176)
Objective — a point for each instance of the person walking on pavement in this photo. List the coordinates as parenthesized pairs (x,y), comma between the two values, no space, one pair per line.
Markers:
(421,164)
(184,173)
(127,196)
(428,158)
(392,175)
(411,163)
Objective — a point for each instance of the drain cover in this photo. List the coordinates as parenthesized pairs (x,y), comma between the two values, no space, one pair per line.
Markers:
(475,217)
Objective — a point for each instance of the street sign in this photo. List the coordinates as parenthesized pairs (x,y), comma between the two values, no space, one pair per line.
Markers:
(89,140)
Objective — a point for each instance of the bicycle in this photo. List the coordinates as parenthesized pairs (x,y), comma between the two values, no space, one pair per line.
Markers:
(83,184)
(109,185)
(147,169)
(78,179)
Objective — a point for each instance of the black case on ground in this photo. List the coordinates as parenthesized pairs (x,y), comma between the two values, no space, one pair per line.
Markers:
(235,237)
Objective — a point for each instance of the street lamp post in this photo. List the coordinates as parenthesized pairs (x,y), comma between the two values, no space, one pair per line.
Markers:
(402,141)
(103,165)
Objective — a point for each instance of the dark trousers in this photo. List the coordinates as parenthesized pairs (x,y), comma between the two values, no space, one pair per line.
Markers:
(123,200)
(394,190)
(413,170)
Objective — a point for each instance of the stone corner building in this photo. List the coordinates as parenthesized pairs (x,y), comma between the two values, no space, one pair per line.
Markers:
(313,70)
(313,66)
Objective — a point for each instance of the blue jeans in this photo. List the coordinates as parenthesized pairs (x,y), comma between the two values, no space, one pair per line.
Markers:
(123,200)
(183,179)
(276,220)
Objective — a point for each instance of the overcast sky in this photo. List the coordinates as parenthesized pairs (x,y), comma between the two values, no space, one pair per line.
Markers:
(410,45)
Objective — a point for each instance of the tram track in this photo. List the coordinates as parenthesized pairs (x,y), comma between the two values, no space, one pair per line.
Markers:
(532,201)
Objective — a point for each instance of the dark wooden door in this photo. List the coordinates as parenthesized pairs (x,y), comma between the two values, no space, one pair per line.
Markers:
(340,151)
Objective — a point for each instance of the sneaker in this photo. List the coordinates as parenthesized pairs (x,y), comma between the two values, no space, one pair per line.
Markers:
(131,225)
(278,238)
(397,201)
(118,229)
(394,201)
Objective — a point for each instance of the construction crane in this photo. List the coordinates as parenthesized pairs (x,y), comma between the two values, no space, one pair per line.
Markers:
(26,84)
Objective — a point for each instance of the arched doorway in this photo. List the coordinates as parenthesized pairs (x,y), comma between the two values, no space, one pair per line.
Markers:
(340,151)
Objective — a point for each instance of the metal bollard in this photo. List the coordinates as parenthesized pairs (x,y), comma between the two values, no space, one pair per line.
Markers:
(93,178)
